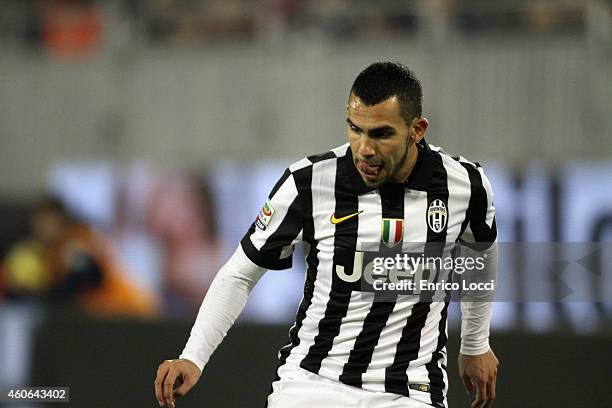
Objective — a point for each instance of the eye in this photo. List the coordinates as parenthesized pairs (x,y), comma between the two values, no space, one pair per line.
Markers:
(383,134)
(354,128)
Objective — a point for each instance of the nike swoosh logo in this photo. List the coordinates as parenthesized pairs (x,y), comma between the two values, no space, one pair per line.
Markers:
(335,220)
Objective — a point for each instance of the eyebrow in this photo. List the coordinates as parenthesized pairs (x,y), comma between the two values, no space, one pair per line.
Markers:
(376,131)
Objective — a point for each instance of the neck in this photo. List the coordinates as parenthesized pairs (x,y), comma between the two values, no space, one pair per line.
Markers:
(406,169)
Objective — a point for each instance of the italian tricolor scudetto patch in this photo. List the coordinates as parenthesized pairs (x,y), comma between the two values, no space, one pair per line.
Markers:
(392,231)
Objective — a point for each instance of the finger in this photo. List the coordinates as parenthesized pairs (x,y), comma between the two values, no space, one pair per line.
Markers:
(184,387)
(481,389)
(159,381)
(488,400)
(490,394)
(168,385)
(494,384)
(467,383)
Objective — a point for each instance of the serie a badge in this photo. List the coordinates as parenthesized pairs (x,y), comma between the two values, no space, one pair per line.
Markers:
(264,216)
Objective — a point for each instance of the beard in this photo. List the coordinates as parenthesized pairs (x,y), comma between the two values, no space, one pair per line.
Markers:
(390,172)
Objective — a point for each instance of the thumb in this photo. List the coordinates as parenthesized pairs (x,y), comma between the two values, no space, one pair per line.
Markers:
(186,384)
(467,382)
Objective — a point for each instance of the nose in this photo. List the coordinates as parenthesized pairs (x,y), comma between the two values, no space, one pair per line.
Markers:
(366,147)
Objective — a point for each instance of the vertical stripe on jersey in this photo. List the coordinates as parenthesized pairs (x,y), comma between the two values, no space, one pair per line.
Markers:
(458,201)
(396,379)
(368,239)
(436,375)
(392,201)
(345,239)
(476,217)
(438,190)
(303,179)
(323,203)
(415,209)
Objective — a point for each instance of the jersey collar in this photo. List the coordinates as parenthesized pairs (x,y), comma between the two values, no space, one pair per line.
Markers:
(418,180)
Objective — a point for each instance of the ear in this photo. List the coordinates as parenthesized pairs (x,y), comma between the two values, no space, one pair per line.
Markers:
(419,128)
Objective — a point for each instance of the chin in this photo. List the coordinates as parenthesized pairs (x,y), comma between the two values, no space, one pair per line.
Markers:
(374,183)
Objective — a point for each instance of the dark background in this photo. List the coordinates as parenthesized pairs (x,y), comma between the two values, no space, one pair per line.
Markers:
(113,364)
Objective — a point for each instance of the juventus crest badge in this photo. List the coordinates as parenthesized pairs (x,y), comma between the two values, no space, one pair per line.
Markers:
(437,215)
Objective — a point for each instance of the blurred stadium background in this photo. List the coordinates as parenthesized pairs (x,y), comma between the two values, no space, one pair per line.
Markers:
(159,127)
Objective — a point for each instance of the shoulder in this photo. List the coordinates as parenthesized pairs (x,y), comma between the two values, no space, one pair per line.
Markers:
(320,159)
(454,160)
(458,168)
(298,176)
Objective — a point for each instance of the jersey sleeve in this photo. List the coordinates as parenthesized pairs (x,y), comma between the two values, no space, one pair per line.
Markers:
(480,229)
(222,304)
(480,234)
(270,240)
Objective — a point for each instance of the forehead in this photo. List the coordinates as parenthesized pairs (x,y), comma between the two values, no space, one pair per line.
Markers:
(386,112)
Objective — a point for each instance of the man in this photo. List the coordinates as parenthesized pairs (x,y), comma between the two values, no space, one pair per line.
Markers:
(66,260)
(387,185)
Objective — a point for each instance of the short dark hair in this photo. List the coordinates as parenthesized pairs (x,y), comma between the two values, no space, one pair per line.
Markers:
(384,79)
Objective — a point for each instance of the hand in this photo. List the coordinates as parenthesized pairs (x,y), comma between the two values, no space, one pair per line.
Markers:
(479,372)
(168,372)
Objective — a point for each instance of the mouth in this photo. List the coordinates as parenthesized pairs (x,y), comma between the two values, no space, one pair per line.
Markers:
(370,172)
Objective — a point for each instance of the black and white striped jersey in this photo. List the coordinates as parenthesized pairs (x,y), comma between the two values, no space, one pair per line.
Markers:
(340,332)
